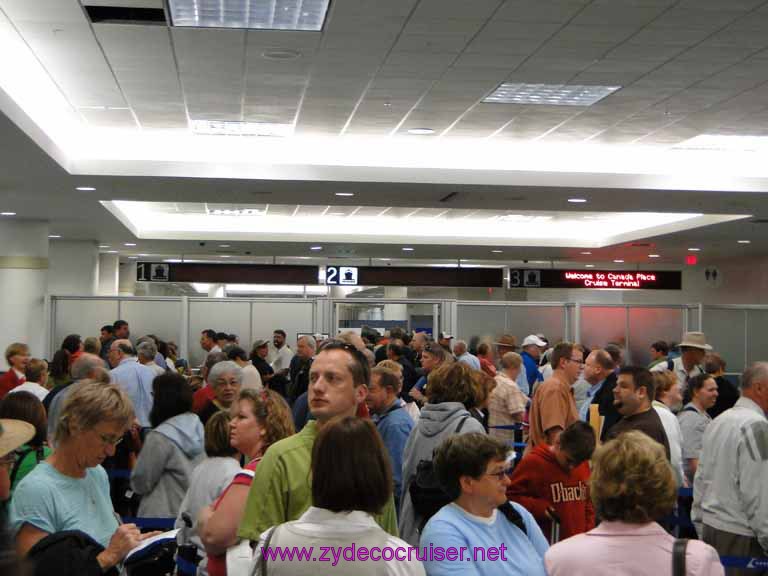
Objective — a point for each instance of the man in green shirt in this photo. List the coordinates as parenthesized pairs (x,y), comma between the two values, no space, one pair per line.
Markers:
(281,489)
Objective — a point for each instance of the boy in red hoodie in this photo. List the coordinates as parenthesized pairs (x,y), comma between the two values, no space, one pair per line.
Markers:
(552,482)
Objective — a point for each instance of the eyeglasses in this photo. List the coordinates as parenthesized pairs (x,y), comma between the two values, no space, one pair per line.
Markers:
(501,473)
(109,440)
(577,361)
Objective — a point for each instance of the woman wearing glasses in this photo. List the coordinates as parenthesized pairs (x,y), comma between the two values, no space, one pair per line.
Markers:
(493,536)
(70,490)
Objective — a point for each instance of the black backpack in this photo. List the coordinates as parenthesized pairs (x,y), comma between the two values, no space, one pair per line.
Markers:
(427,495)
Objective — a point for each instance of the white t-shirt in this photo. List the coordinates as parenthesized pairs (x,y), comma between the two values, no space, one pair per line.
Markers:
(33,388)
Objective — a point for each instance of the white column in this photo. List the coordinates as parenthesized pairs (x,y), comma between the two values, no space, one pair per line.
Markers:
(74,267)
(127,278)
(109,274)
(23,283)
(397,312)
(216,291)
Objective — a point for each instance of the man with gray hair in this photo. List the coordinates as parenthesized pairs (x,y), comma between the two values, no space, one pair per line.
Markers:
(463,355)
(306,346)
(146,352)
(730,494)
(133,378)
(87,367)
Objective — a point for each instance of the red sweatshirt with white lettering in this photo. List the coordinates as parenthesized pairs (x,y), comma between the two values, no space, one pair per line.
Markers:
(539,482)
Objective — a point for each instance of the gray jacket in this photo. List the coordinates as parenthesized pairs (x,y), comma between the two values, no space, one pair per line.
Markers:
(164,467)
(436,423)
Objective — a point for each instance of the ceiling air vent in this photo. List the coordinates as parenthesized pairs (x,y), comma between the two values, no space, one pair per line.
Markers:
(126,15)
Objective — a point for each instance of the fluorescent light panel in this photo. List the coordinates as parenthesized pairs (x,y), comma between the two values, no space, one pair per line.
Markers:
(250,14)
(237,128)
(549,94)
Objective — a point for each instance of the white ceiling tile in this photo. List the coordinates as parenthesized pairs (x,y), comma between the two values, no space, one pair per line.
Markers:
(445,43)
(537,11)
(211,65)
(110,118)
(143,63)
(458,9)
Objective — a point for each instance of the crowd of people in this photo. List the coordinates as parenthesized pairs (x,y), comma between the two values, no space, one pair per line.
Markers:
(538,459)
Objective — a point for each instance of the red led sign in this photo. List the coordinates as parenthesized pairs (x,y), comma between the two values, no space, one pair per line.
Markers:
(595,279)
(625,280)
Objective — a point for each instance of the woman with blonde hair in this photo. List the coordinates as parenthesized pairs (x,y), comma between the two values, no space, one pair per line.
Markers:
(632,486)
(70,490)
(259,419)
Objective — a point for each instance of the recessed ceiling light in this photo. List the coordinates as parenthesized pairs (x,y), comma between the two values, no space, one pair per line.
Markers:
(53,236)
(238,128)
(619,261)
(249,14)
(224,245)
(315,247)
(145,255)
(421,131)
(385,259)
(129,244)
(345,193)
(103,245)
(589,266)
(281,54)
(654,256)
(225,256)
(85,189)
(577,200)
(694,249)
(133,257)
(549,94)
(498,251)
(336,214)
(407,249)
(111,251)
(585,253)
(7,213)
(744,241)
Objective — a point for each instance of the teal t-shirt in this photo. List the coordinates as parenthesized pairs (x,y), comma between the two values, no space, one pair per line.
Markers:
(52,502)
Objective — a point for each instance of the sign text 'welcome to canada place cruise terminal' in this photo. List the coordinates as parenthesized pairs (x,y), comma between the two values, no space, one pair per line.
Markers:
(596,279)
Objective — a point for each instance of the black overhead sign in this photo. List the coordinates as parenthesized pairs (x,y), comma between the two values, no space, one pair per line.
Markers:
(308,275)
(225,273)
(595,279)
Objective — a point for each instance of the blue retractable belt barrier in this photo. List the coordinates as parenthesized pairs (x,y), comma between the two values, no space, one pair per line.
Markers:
(749,563)
(114,474)
(685,492)
(186,568)
(156,523)
(507,427)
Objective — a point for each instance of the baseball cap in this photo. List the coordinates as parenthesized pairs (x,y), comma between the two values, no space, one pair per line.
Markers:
(533,339)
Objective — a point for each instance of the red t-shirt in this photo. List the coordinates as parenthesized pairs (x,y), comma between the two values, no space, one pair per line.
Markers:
(201,398)
(217,565)
(539,482)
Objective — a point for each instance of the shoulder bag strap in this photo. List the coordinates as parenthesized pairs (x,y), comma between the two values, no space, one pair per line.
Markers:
(461,424)
(678,556)
(18,462)
(263,557)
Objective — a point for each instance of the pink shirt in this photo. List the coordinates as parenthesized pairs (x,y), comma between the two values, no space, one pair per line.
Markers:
(630,550)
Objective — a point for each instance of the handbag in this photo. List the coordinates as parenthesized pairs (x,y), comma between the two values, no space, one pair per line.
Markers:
(239,558)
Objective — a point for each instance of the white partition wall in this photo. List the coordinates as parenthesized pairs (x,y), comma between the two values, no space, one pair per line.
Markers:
(293,317)
(221,315)
(83,316)
(493,319)
(737,333)
(159,317)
